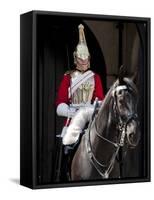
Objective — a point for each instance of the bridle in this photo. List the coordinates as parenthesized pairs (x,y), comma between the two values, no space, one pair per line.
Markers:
(105,169)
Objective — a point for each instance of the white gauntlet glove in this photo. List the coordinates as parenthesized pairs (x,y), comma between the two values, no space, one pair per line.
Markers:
(71,112)
(65,111)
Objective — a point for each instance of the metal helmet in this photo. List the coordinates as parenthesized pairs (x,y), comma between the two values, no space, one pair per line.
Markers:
(81,50)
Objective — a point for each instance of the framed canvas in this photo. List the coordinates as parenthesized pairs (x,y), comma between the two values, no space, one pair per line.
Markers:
(85,99)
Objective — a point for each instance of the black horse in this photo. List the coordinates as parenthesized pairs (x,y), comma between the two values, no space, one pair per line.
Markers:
(114,127)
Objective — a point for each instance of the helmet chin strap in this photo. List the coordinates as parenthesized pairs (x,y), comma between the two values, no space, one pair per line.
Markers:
(82,70)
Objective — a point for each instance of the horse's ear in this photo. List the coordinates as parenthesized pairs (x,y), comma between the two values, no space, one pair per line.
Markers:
(122,73)
(134,78)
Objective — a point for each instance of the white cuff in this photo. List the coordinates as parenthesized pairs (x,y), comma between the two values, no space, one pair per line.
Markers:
(62,109)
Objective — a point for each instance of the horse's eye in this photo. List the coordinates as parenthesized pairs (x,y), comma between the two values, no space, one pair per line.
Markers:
(120,91)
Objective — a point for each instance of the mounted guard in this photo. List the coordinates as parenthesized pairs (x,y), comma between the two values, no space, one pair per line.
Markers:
(77,93)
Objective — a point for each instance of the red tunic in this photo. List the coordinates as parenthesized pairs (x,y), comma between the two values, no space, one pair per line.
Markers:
(62,96)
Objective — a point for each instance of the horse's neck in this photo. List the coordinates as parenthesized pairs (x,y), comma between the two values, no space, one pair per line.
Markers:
(104,122)
(105,114)
(99,145)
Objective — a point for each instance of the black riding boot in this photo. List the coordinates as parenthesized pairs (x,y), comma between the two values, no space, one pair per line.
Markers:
(68,152)
(68,149)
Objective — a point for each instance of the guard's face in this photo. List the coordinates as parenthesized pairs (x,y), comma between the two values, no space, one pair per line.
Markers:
(81,64)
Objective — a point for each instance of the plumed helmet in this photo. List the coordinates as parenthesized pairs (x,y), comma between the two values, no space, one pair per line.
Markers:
(81,50)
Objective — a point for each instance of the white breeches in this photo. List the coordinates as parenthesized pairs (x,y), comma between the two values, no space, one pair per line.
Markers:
(77,124)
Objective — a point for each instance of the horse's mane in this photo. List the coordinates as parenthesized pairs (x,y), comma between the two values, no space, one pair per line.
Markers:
(109,95)
(104,114)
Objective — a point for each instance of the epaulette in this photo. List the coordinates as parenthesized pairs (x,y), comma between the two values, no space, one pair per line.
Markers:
(69,72)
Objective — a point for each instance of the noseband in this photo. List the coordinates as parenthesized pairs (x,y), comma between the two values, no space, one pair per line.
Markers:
(103,169)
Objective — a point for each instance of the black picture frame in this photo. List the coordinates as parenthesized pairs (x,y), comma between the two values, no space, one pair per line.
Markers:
(35,168)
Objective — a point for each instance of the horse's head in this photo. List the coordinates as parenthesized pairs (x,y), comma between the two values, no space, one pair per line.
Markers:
(125,97)
(119,111)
